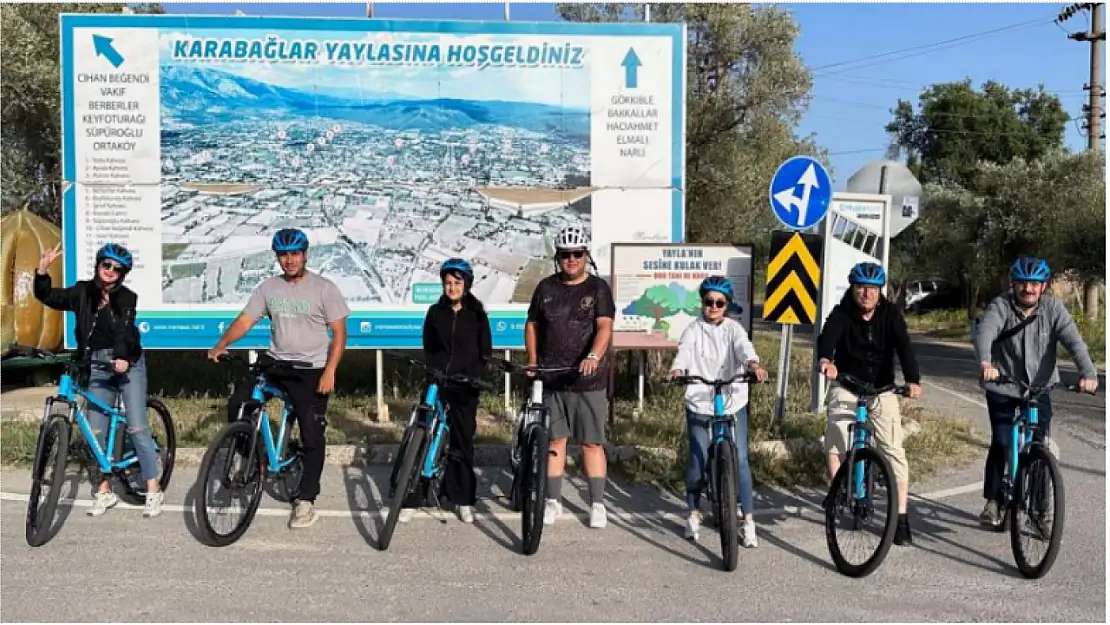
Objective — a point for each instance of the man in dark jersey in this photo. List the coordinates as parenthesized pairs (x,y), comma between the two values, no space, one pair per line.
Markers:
(570,321)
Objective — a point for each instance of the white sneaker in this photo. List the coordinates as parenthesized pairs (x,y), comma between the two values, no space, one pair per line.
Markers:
(102,502)
(598,517)
(466,514)
(551,511)
(693,525)
(405,515)
(153,505)
(747,535)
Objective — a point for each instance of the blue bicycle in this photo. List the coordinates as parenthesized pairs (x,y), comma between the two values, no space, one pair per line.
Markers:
(855,488)
(1031,474)
(424,445)
(244,454)
(723,484)
(55,445)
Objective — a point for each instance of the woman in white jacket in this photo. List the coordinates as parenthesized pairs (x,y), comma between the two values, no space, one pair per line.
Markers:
(715,347)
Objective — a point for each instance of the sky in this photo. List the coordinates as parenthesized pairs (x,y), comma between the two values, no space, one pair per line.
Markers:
(1014,43)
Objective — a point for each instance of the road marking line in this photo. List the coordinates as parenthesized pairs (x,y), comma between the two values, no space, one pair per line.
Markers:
(957,394)
(794,510)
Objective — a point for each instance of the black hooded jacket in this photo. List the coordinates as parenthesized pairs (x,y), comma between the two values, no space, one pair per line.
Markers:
(865,349)
(457,342)
(81,300)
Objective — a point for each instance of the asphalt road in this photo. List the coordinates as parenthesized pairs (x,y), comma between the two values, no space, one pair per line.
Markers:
(122,567)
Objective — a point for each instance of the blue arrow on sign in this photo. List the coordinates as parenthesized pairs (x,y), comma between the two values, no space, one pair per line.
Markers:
(630,63)
(800,192)
(105,49)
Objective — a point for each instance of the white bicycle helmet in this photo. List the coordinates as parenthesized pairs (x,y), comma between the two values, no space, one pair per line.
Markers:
(572,238)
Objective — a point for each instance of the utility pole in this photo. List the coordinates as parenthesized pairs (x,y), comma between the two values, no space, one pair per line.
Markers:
(1096,35)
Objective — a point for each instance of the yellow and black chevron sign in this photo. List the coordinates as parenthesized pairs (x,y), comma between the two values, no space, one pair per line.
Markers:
(793,278)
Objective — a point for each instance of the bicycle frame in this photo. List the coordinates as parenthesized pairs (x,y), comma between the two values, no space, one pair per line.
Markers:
(68,392)
(860,441)
(263,392)
(435,421)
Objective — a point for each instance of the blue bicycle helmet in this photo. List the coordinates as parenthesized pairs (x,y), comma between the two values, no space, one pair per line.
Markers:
(1029,269)
(456,264)
(718,284)
(289,240)
(116,252)
(867,273)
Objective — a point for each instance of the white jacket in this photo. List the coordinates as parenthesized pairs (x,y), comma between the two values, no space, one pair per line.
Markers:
(715,351)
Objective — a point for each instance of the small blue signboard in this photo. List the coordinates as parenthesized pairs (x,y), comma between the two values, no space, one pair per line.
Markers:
(800,192)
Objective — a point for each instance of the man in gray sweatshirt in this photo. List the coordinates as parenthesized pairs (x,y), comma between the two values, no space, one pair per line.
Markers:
(1017,336)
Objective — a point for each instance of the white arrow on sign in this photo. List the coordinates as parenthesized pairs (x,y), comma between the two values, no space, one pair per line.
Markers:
(787,198)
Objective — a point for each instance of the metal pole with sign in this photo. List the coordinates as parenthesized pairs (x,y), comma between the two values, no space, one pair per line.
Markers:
(799,193)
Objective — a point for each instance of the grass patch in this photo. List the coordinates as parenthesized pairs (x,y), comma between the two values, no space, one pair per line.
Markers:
(951,325)
(198,419)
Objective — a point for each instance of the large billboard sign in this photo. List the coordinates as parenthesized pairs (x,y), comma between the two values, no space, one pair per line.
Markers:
(393,144)
(655,287)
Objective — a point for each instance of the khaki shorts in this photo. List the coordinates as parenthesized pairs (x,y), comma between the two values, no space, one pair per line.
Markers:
(885,418)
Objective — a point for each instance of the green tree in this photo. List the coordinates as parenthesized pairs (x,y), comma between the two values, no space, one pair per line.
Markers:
(30,135)
(746,92)
(957,127)
(658,302)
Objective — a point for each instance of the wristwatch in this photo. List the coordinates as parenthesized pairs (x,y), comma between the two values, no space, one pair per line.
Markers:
(592,356)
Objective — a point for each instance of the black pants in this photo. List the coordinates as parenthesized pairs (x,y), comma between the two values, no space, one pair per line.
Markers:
(310,409)
(1002,410)
(459,485)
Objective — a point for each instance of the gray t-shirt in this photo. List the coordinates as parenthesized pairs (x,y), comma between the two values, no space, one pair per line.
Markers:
(299,313)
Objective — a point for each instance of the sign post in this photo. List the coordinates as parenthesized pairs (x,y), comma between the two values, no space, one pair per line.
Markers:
(794,269)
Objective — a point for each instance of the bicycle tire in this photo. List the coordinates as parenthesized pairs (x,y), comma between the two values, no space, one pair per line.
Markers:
(533,491)
(400,455)
(1038,452)
(207,464)
(408,473)
(867,455)
(168,452)
(54,434)
(728,525)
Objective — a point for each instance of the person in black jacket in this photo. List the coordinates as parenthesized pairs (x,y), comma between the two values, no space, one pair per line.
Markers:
(860,338)
(105,311)
(457,340)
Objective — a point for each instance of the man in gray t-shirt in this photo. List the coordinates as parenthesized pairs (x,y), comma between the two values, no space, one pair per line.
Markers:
(302,307)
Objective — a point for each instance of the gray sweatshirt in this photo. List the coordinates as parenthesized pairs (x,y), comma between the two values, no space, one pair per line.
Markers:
(1029,355)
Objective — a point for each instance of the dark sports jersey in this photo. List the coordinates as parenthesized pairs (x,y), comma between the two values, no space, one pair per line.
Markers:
(566,326)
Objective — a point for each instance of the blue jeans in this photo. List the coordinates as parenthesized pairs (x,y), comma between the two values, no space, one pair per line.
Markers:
(103,386)
(698,428)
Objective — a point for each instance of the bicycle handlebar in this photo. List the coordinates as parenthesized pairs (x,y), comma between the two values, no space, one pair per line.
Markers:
(743,376)
(263,366)
(442,377)
(1030,391)
(45,354)
(510,366)
(867,389)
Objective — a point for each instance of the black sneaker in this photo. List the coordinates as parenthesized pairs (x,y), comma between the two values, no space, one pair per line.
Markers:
(902,535)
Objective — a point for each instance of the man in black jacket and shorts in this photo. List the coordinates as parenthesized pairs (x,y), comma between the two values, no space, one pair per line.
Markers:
(570,321)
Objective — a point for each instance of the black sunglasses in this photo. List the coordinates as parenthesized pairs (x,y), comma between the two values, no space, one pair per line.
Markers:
(575,254)
(108,265)
(713,302)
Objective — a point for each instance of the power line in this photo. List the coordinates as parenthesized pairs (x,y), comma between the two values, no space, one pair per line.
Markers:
(927,48)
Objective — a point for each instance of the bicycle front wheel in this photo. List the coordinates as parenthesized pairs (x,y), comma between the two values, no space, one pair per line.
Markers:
(848,510)
(533,471)
(237,477)
(50,456)
(724,457)
(407,475)
(1037,512)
